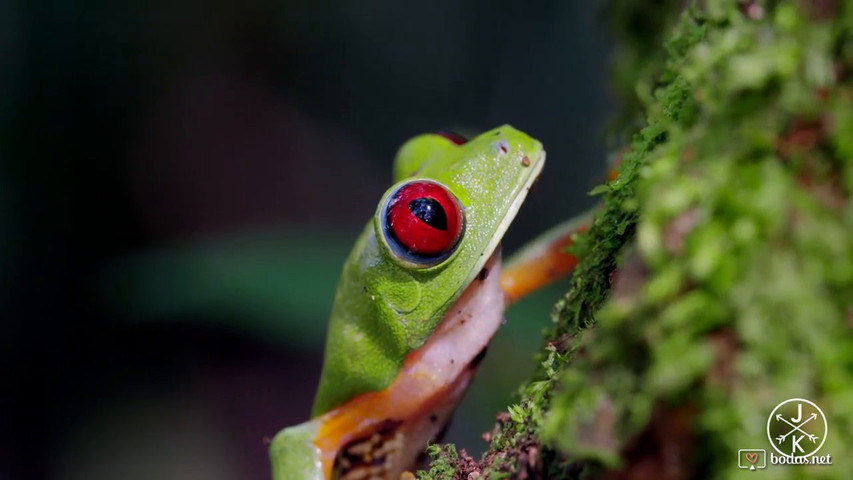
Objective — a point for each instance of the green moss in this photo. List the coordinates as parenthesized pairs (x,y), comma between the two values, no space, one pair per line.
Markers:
(729,231)
(443,460)
(743,278)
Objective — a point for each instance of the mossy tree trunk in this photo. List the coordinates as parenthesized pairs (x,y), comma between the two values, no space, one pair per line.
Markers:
(718,279)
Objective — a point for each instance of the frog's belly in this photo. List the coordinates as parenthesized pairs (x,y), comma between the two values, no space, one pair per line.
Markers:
(389,430)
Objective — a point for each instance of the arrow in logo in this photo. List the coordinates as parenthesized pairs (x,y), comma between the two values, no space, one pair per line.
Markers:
(781,438)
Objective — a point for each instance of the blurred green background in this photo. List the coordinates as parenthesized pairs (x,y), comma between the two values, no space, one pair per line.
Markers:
(182,181)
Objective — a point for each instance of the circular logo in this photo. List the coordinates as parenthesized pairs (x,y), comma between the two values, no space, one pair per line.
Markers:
(797,428)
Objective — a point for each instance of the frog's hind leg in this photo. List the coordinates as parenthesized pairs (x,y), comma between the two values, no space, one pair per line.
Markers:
(543,260)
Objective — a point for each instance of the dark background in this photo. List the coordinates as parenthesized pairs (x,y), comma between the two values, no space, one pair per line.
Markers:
(182,181)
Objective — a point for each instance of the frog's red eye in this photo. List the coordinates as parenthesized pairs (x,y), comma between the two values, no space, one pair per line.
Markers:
(453,137)
(423,222)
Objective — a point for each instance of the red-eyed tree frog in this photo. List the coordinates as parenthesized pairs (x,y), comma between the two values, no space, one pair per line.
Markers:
(418,301)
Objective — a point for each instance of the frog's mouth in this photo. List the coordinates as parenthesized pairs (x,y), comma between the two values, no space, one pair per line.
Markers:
(381,434)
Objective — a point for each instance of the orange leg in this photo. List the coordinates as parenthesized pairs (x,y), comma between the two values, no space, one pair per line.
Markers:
(543,260)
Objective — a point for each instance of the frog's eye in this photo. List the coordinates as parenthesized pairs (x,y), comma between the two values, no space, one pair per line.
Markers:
(422,222)
(453,137)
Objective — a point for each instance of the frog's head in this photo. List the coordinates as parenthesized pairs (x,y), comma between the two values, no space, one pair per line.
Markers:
(432,233)
(454,199)
(449,210)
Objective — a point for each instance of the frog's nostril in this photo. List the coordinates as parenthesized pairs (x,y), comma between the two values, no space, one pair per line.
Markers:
(501,147)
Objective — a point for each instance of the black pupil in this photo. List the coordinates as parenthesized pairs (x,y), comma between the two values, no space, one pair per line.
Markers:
(430,212)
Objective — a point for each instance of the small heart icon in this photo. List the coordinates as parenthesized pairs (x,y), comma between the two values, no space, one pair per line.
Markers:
(752,457)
